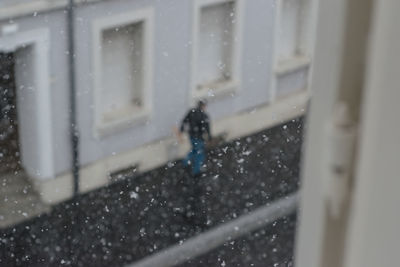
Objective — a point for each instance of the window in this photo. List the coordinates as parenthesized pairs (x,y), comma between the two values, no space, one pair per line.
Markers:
(292,29)
(215,45)
(292,47)
(122,71)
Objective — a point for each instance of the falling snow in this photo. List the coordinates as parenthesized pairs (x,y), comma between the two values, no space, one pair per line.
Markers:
(145,211)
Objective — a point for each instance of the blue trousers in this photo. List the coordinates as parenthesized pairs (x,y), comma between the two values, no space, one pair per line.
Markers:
(196,156)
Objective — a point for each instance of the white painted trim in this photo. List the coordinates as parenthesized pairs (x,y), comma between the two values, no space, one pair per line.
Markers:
(297,61)
(25,9)
(303,29)
(14,10)
(227,232)
(292,65)
(155,154)
(145,15)
(277,26)
(234,85)
(216,90)
(40,40)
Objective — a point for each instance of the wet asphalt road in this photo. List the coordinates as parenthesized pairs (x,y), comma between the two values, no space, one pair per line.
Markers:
(143,213)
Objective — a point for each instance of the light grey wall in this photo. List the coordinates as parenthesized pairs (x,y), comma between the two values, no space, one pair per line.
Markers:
(172,65)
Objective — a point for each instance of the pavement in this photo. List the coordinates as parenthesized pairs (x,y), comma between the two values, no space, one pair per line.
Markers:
(270,246)
(18,201)
(143,213)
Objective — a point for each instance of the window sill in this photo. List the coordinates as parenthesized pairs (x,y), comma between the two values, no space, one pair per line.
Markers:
(293,64)
(121,119)
(215,89)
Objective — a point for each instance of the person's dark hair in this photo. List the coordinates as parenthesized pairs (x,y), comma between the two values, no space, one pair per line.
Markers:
(202,103)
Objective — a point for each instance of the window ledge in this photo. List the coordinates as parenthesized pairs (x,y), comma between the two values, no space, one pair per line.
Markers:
(121,119)
(291,65)
(215,89)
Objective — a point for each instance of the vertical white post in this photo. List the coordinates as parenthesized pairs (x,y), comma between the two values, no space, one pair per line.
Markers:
(374,233)
(338,76)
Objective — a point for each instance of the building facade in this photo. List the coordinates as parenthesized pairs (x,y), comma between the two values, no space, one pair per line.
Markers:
(139,65)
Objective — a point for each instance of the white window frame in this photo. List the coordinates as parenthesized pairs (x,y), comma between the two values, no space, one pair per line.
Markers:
(40,40)
(301,57)
(231,86)
(138,115)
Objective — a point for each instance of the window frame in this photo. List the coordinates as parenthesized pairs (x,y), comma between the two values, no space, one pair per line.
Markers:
(39,39)
(301,47)
(231,86)
(301,59)
(134,114)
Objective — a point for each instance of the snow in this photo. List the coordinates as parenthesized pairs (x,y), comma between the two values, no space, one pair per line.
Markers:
(144,213)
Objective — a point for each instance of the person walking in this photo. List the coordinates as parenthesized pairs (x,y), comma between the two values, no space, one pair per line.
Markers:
(198,124)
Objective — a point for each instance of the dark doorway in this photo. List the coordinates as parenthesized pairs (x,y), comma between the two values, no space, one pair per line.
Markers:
(9,145)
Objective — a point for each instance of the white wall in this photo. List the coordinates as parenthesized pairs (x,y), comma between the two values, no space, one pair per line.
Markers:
(171,59)
(173,21)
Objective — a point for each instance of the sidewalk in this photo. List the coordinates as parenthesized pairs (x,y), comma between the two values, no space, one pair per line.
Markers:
(18,200)
(136,216)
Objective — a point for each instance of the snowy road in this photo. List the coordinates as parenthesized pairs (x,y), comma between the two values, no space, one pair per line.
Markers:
(136,217)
